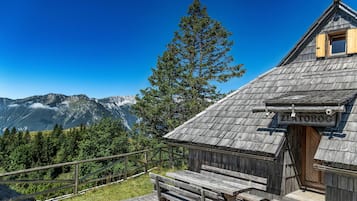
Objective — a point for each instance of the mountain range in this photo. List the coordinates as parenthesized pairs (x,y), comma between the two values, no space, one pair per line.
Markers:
(38,113)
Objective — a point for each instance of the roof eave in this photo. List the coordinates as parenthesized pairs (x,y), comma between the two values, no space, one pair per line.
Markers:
(226,150)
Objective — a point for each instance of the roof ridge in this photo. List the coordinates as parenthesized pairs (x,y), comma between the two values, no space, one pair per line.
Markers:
(348,8)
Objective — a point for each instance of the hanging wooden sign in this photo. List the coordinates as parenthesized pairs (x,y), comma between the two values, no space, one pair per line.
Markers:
(308,119)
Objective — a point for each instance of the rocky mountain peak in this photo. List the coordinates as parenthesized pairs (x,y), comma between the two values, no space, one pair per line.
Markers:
(43,112)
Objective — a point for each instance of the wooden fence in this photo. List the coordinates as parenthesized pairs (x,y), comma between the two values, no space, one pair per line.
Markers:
(142,160)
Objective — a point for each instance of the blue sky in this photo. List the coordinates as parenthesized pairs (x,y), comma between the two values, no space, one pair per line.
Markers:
(107,47)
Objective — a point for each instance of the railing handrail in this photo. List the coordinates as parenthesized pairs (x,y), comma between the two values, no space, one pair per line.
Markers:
(76,181)
(72,163)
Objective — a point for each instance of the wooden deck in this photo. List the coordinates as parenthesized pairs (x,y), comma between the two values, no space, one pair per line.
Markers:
(305,196)
(294,196)
(149,197)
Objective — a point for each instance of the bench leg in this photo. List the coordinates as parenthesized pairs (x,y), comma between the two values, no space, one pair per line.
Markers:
(203,195)
(229,197)
(158,190)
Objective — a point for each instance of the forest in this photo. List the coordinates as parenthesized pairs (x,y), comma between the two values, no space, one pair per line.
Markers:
(22,150)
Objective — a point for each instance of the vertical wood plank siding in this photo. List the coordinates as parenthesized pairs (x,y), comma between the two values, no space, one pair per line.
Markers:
(272,170)
(340,188)
(290,182)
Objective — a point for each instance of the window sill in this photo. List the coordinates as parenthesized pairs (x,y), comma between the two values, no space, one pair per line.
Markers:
(336,56)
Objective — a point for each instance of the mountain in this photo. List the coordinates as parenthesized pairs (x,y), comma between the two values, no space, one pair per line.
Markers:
(37,113)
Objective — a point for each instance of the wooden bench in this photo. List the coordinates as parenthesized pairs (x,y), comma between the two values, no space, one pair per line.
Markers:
(258,183)
(174,190)
(210,183)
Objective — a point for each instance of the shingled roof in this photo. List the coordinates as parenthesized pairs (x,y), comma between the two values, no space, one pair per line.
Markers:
(230,123)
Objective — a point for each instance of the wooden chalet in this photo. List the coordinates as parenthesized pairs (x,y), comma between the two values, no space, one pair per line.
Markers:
(295,125)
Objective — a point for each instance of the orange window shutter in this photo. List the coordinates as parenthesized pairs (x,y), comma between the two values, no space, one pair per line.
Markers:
(321,45)
(351,41)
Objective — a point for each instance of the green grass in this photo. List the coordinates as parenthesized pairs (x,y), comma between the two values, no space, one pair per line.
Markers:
(128,189)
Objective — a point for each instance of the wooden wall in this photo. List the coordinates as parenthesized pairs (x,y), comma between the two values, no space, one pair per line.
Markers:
(292,162)
(290,182)
(340,187)
(273,170)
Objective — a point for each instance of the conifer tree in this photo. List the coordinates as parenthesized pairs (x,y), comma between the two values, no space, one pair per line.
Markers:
(2,149)
(13,131)
(6,143)
(27,137)
(158,107)
(204,55)
(19,139)
(6,132)
(182,84)
(38,149)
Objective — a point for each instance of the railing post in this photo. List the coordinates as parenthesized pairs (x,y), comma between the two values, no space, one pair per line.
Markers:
(203,197)
(160,156)
(146,161)
(171,155)
(125,167)
(76,178)
(183,157)
(158,190)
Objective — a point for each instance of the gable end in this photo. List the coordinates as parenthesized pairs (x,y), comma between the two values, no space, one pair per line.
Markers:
(337,17)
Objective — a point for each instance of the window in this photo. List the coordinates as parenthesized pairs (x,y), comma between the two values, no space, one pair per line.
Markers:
(337,44)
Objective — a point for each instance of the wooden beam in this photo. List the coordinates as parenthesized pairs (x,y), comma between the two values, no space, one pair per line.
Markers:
(35,181)
(235,174)
(126,167)
(76,179)
(335,170)
(208,182)
(174,197)
(158,190)
(71,163)
(298,108)
(221,151)
(231,179)
(183,185)
(179,191)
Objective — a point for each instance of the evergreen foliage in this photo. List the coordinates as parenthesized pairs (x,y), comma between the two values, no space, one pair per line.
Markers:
(182,84)
(21,150)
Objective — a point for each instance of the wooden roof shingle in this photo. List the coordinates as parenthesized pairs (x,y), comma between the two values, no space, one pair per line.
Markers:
(235,126)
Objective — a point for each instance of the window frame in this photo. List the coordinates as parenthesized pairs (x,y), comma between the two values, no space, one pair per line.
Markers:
(337,35)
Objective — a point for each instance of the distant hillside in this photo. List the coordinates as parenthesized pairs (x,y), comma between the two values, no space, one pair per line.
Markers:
(43,112)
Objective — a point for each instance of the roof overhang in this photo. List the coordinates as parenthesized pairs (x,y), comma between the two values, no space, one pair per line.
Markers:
(302,109)
(329,101)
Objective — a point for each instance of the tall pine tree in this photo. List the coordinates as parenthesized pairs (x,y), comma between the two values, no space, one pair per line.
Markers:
(182,84)
(204,55)
(158,107)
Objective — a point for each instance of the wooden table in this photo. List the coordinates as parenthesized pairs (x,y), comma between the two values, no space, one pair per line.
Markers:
(227,188)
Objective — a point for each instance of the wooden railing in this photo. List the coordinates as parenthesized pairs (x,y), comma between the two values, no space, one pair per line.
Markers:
(147,158)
